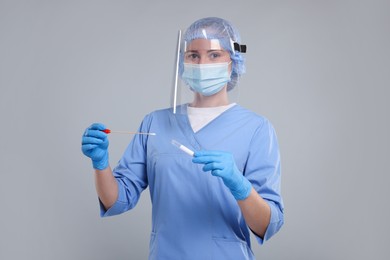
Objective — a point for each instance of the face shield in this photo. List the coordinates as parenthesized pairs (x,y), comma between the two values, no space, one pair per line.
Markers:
(207,69)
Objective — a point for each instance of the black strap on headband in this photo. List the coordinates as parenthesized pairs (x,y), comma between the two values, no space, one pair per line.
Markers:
(239,47)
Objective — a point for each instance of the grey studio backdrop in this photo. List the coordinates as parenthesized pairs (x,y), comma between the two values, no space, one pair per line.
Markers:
(319,70)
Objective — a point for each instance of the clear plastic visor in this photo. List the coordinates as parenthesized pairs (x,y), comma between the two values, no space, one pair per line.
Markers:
(203,71)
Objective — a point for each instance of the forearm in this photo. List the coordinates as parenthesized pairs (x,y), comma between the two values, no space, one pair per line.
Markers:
(256,212)
(106,187)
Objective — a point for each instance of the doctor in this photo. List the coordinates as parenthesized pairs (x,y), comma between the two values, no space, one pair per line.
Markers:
(205,206)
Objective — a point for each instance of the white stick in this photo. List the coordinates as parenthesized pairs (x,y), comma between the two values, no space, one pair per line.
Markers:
(131,133)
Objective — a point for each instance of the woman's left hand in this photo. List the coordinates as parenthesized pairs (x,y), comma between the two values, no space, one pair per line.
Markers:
(222,164)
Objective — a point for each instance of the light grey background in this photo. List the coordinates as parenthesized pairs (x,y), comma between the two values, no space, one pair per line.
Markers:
(319,70)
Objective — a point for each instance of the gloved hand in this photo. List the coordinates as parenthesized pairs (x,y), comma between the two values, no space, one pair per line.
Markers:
(222,164)
(94,144)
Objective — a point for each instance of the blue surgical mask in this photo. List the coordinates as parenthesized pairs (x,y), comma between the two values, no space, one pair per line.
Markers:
(206,79)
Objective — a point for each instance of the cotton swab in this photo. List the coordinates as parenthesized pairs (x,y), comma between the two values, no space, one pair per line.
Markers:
(109,131)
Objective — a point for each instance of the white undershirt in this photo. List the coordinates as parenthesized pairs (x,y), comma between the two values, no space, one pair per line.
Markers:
(201,116)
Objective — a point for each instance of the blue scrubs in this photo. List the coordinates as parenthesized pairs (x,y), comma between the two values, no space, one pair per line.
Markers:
(194,215)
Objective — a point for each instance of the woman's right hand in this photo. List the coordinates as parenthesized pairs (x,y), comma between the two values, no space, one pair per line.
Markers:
(94,144)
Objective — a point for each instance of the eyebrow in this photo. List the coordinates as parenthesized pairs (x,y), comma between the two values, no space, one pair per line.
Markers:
(207,50)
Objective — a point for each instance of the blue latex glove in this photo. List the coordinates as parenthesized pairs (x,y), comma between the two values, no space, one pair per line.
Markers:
(222,164)
(94,144)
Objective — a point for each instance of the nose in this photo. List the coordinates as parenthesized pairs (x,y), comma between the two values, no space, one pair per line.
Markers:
(203,59)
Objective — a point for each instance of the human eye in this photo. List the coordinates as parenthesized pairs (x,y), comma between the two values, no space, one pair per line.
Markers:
(191,56)
(215,55)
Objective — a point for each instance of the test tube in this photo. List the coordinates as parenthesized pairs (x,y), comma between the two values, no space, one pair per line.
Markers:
(183,148)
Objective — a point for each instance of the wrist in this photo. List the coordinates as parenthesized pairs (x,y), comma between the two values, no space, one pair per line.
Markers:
(101,164)
(243,190)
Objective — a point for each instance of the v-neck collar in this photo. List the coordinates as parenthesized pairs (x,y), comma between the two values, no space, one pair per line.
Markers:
(185,125)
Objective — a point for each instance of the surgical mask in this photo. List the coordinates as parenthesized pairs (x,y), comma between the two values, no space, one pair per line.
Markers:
(206,79)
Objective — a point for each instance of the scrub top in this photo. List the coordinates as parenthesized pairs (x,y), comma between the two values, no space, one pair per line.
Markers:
(194,215)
